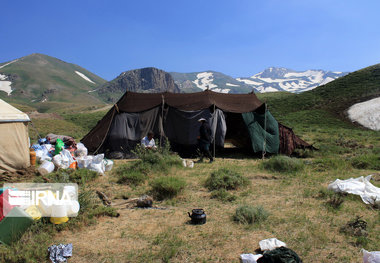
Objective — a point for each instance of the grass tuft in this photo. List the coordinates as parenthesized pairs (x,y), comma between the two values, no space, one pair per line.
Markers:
(167,187)
(223,195)
(225,179)
(247,214)
(283,164)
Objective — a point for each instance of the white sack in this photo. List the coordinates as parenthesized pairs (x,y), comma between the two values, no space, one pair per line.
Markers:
(361,186)
(97,164)
(63,159)
(81,150)
(249,258)
(371,257)
(271,243)
(84,161)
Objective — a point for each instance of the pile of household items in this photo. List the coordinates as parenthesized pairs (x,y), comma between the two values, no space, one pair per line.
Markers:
(59,151)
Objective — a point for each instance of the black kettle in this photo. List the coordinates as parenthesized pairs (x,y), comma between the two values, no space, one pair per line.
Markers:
(198,217)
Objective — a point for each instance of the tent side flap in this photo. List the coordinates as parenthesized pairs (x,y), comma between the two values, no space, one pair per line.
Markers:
(14,146)
(263,130)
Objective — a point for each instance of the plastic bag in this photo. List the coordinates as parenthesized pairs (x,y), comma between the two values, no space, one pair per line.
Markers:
(81,150)
(63,160)
(108,164)
(84,161)
(97,164)
(371,257)
(59,145)
(36,147)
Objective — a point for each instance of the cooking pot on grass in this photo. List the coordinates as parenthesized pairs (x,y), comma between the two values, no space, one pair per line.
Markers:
(198,216)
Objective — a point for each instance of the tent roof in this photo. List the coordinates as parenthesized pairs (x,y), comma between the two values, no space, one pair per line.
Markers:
(8,113)
(237,103)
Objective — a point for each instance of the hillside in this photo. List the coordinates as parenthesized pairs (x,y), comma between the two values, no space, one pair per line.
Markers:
(215,81)
(39,80)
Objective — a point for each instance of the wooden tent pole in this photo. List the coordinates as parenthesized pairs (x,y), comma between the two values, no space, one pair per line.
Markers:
(162,118)
(265,132)
(215,131)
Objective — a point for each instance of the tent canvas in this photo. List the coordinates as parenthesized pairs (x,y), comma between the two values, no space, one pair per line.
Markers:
(14,138)
(237,117)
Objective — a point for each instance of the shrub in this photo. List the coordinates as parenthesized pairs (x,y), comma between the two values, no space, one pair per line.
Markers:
(366,161)
(223,195)
(133,177)
(283,164)
(159,160)
(250,214)
(335,201)
(167,187)
(225,179)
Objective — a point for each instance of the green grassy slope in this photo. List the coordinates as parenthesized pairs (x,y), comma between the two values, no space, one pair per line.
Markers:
(38,77)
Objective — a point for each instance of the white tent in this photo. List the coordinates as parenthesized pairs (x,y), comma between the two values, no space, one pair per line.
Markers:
(14,138)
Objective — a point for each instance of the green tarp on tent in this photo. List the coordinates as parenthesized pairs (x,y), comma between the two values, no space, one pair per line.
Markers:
(262,127)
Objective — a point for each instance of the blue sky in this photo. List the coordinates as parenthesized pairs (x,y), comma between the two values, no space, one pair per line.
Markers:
(238,37)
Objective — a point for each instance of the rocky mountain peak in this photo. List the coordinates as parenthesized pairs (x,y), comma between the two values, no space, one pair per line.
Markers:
(147,80)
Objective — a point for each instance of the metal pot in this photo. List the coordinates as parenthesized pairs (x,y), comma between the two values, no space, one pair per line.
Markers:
(198,217)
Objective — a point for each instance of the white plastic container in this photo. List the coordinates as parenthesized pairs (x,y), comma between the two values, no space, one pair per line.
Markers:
(46,167)
(58,211)
(71,191)
(73,209)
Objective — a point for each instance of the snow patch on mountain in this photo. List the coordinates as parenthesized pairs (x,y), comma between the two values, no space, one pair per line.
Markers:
(249,82)
(204,81)
(8,63)
(263,89)
(221,90)
(5,85)
(282,79)
(84,76)
(366,114)
(232,85)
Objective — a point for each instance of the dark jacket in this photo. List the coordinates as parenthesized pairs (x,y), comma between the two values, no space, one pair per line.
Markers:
(205,132)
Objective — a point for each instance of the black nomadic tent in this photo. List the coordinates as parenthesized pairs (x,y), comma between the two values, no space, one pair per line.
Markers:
(241,119)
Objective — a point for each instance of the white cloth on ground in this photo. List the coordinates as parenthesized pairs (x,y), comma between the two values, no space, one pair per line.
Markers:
(271,243)
(249,258)
(361,186)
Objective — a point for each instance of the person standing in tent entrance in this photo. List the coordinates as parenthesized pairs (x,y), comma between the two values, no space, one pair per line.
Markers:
(204,140)
(148,141)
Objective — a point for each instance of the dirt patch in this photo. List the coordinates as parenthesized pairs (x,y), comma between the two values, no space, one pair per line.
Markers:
(38,115)
(19,175)
(263,177)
